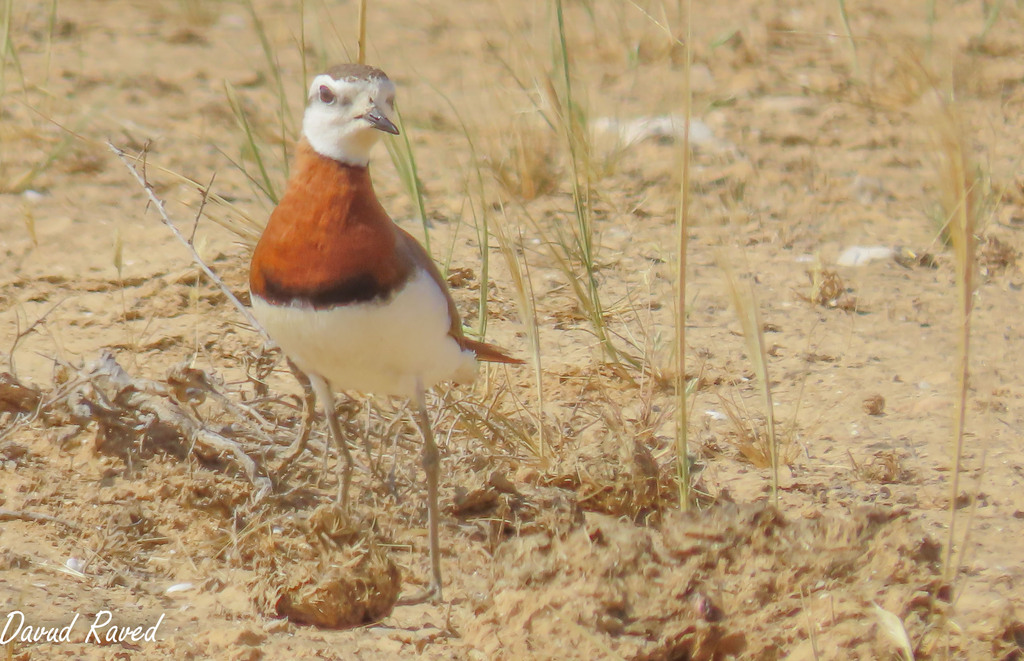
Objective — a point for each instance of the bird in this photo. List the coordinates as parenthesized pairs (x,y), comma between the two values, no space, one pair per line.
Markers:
(352,299)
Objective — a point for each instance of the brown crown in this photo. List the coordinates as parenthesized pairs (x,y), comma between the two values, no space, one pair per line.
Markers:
(352,72)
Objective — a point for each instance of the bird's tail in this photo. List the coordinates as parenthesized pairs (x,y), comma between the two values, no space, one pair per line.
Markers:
(488,352)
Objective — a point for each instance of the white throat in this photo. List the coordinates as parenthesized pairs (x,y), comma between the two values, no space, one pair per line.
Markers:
(351,147)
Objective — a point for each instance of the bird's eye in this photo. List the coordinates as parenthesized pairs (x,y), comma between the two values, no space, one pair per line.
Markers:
(326,95)
(390,99)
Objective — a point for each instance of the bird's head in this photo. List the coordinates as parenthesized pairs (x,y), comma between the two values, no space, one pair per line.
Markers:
(346,109)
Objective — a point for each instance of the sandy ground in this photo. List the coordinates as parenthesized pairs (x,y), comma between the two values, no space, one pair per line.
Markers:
(128,378)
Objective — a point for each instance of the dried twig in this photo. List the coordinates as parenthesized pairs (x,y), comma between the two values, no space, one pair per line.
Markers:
(153,397)
(42,405)
(161,209)
(20,334)
(308,418)
(36,517)
(205,438)
(204,195)
(189,382)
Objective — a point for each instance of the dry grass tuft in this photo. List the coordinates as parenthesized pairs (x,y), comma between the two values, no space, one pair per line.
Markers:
(524,160)
(828,290)
(749,312)
(341,593)
(884,467)
(996,256)
(750,436)
(326,571)
(632,485)
(961,197)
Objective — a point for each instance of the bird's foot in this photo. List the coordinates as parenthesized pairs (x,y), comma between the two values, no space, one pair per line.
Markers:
(431,594)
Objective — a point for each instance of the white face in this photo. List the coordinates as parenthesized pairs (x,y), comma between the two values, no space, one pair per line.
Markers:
(344,118)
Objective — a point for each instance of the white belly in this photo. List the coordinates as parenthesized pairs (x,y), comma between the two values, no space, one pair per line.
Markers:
(377,348)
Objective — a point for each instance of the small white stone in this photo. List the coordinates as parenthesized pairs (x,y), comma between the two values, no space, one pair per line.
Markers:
(861,255)
(667,127)
(179,587)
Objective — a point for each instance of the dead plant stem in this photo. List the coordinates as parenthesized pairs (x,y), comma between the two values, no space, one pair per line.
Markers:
(161,209)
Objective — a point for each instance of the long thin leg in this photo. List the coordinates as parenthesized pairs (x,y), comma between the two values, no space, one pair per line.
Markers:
(308,416)
(326,397)
(432,468)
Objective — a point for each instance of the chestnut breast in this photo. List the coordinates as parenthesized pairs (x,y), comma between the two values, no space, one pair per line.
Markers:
(329,242)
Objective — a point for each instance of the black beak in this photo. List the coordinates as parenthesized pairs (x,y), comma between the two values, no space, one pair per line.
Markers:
(380,122)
